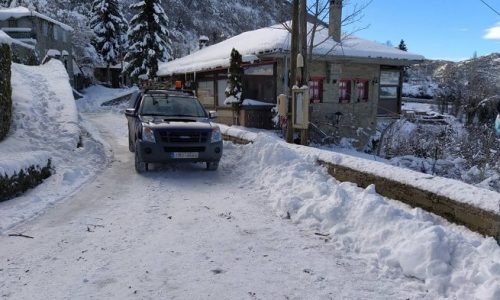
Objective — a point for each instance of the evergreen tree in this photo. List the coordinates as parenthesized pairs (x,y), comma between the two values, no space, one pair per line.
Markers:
(109,26)
(234,84)
(402,46)
(148,39)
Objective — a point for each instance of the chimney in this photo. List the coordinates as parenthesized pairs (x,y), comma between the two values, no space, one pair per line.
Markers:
(335,24)
(203,41)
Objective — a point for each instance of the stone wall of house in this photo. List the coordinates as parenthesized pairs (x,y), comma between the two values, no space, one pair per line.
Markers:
(358,121)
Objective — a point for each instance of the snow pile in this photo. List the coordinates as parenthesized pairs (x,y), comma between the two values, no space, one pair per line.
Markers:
(276,39)
(42,111)
(97,95)
(451,260)
(45,125)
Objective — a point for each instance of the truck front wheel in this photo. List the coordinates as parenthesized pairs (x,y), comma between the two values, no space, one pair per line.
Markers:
(140,166)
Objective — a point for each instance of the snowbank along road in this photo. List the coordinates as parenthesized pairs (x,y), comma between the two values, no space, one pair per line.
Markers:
(267,225)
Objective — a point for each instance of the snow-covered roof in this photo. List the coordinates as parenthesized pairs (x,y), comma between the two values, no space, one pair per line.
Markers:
(21,11)
(6,39)
(276,39)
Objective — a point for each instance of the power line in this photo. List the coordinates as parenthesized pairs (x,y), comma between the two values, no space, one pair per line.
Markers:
(490,7)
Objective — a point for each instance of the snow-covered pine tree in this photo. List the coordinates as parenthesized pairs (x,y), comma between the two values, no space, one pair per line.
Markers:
(234,84)
(402,46)
(108,24)
(148,39)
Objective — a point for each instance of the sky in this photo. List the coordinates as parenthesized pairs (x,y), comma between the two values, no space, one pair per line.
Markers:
(438,29)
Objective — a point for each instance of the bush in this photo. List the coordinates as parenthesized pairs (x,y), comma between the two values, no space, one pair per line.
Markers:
(26,179)
(5,90)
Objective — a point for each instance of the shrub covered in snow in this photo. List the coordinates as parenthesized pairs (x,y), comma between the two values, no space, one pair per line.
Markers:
(5,90)
(465,152)
(16,184)
(234,84)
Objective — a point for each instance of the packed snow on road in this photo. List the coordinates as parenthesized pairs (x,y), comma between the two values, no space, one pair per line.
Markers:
(269,224)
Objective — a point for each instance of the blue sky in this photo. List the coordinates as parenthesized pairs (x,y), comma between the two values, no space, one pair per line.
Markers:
(437,29)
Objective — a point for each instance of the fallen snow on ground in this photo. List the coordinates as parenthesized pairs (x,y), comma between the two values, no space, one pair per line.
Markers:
(181,232)
(450,259)
(45,125)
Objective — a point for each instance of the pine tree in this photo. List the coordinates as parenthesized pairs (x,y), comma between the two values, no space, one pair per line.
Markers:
(234,84)
(108,24)
(148,39)
(402,46)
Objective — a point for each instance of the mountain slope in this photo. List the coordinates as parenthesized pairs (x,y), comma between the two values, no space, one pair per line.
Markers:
(188,20)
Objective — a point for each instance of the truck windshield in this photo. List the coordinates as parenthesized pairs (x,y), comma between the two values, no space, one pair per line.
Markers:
(171,106)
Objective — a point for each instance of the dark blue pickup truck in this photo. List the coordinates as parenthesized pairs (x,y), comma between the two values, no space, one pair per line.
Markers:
(172,126)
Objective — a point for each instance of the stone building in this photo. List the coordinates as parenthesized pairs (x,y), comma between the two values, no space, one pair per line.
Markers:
(353,82)
(50,38)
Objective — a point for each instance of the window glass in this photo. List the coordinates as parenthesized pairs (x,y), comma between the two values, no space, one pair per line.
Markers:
(206,92)
(12,23)
(316,89)
(388,92)
(345,91)
(163,105)
(45,28)
(221,91)
(389,77)
(363,90)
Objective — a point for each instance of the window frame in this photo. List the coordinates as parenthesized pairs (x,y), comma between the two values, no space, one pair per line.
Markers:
(12,22)
(316,89)
(348,91)
(365,90)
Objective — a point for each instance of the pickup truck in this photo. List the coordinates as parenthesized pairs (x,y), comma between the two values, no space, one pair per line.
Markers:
(167,126)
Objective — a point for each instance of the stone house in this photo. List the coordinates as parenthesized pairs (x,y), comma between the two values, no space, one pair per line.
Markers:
(50,38)
(353,82)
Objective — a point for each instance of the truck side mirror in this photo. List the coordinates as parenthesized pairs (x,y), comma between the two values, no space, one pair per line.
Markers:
(130,112)
(212,114)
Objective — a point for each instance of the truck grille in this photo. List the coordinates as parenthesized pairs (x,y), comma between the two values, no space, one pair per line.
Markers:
(183,137)
(184,149)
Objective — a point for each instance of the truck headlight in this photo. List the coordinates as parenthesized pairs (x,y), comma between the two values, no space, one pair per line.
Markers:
(148,135)
(216,135)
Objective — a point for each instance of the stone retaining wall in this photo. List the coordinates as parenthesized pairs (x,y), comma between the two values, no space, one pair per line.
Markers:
(476,219)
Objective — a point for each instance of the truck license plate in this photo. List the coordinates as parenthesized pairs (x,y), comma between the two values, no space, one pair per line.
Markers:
(185,154)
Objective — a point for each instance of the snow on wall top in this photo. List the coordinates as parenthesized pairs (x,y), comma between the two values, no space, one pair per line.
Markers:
(6,39)
(277,39)
(450,188)
(21,11)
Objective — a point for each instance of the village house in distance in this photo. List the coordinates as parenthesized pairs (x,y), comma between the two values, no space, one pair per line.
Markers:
(353,82)
(39,37)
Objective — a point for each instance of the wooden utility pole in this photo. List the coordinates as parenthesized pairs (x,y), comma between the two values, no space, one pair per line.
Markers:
(293,67)
(303,50)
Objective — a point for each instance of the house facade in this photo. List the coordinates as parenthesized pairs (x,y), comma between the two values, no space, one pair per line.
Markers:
(352,82)
(50,38)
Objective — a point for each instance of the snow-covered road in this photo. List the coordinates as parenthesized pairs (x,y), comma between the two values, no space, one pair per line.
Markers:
(181,233)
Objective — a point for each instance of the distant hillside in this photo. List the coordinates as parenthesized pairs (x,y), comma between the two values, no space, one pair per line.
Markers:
(423,79)
(189,19)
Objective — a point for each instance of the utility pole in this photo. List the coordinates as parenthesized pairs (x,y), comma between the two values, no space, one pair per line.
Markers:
(293,67)
(303,50)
